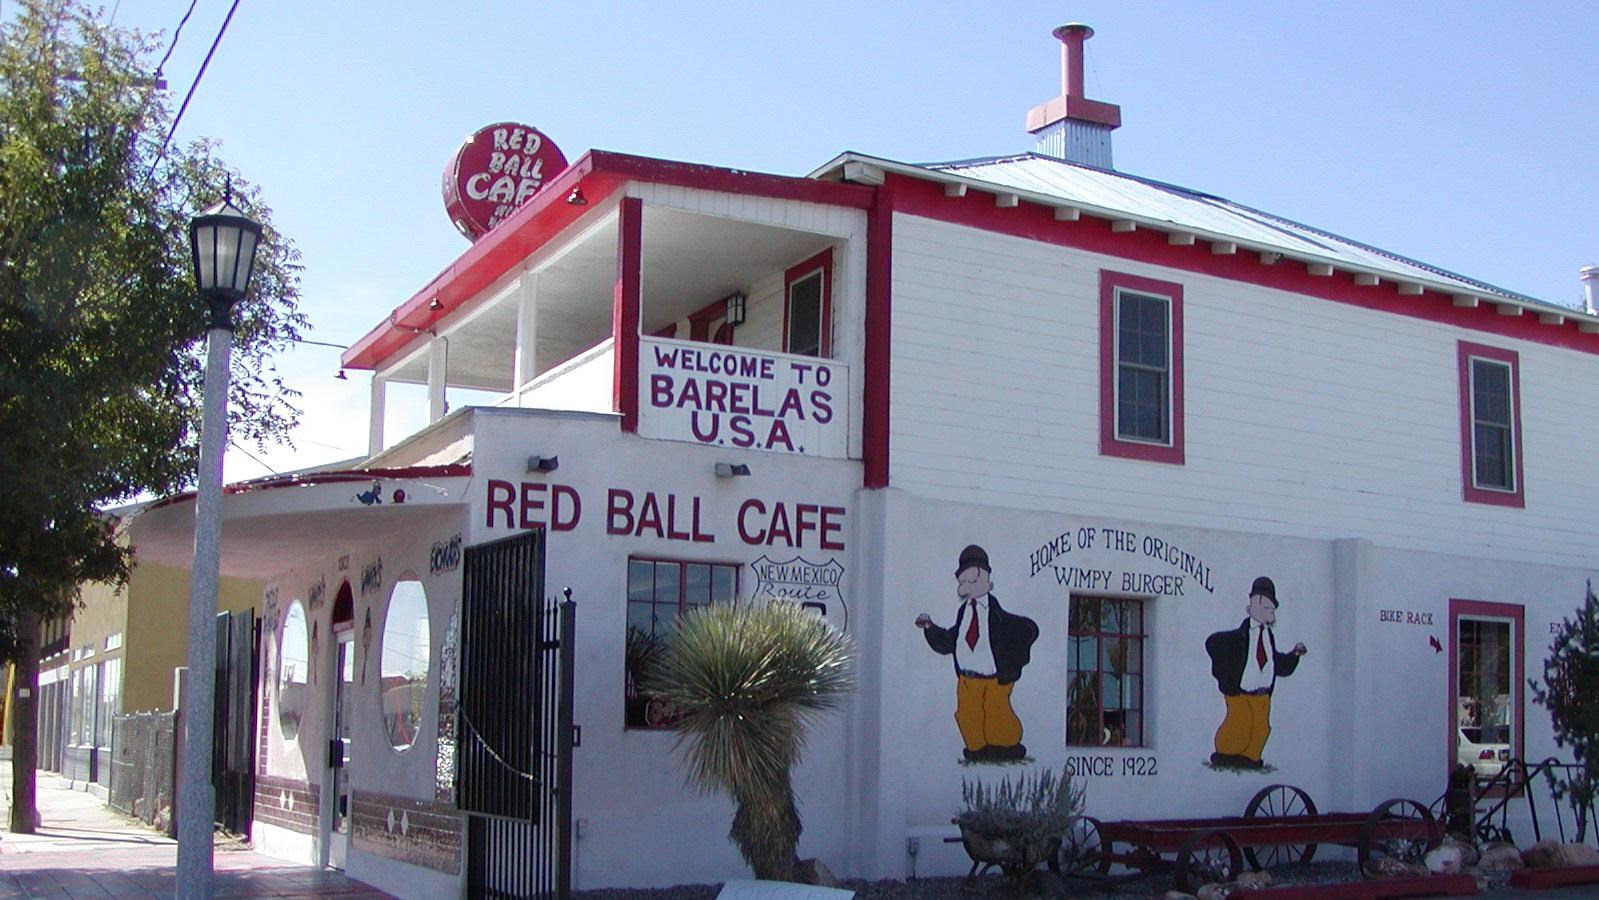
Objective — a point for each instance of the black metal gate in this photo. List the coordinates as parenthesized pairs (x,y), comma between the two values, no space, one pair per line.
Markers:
(234,736)
(514,724)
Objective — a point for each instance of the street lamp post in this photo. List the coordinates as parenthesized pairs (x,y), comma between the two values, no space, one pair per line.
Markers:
(223,240)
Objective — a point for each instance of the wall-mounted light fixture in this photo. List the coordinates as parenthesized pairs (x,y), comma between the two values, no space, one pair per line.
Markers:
(736,302)
(543,463)
(435,305)
(576,198)
(731,470)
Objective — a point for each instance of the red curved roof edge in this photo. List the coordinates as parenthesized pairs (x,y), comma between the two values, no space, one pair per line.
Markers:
(599,173)
(308,479)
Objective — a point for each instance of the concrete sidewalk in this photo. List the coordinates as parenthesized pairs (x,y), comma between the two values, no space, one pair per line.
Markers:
(84,849)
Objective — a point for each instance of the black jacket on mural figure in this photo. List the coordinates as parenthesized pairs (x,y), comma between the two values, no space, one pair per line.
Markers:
(1010,639)
(1230,652)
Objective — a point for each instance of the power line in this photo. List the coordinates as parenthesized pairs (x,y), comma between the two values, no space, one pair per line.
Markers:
(175,33)
(190,96)
(258,461)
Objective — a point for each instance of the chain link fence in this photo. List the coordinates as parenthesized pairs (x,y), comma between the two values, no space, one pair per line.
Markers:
(142,747)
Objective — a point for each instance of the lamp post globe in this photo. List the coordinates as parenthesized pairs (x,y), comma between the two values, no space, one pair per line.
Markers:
(223,241)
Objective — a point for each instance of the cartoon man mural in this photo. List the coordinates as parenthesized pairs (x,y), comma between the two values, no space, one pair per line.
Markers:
(990,646)
(1246,665)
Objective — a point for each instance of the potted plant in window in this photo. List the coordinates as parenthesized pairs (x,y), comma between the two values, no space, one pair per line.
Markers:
(1017,824)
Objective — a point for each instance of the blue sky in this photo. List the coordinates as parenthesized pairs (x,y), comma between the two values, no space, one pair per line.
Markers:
(1462,134)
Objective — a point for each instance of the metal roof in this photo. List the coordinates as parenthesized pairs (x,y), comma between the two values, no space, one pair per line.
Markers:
(1110,194)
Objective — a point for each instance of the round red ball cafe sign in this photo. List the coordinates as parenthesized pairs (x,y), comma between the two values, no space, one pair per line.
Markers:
(496,170)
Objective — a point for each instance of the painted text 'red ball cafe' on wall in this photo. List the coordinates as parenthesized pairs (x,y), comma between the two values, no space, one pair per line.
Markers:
(994,418)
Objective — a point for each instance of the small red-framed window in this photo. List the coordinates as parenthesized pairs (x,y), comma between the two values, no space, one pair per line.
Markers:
(1487,680)
(1490,425)
(659,591)
(1105,672)
(808,306)
(1140,368)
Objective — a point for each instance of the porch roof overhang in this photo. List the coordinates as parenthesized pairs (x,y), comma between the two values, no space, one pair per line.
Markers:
(272,525)
(597,175)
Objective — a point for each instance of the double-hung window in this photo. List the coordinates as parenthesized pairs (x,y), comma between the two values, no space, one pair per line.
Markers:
(1490,425)
(1141,368)
(658,592)
(808,306)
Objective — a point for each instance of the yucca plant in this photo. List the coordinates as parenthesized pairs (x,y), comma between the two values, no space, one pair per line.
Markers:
(749,680)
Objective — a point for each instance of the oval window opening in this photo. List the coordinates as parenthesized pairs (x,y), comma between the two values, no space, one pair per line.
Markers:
(294,666)
(405,662)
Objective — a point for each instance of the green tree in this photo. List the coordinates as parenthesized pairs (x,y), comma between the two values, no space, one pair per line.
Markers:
(747,681)
(101,333)
(1570,691)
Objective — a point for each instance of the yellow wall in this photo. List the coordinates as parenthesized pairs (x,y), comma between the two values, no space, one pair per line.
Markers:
(157,624)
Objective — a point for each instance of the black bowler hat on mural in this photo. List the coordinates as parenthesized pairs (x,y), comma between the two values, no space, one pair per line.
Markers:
(989,647)
(1246,664)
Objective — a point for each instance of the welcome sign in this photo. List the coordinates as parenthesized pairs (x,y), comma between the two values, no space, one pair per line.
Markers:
(743,399)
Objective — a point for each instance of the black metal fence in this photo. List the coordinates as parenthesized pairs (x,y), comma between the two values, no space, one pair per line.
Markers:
(142,746)
(514,724)
(234,732)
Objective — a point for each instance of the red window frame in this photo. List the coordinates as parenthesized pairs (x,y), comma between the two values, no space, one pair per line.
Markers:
(1135,641)
(631,697)
(1110,443)
(699,323)
(822,261)
(1470,492)
(1517,616)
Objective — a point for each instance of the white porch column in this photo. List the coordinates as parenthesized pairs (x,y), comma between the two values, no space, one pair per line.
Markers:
(527,330)
(375,413)
(438,359)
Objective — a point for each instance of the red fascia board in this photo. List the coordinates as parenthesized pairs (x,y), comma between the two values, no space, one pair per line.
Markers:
(1034,221)
(315,478)
(599,173)
(733,181)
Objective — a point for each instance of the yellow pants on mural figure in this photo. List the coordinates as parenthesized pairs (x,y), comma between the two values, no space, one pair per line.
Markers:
(1247,725)
(984,715)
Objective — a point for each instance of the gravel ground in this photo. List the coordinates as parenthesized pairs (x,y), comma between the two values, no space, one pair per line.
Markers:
(1118,888)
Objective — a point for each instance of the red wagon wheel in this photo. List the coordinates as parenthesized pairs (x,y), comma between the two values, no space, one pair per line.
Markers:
(1398,829)
(1207,857)
(1273,802)
(1081,849)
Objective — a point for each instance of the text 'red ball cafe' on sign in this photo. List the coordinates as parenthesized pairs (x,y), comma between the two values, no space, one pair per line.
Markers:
(496,170)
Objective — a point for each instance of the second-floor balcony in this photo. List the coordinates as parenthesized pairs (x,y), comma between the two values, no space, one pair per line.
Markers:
(696,315)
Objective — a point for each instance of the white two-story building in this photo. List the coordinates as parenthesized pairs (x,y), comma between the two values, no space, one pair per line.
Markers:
(719,386)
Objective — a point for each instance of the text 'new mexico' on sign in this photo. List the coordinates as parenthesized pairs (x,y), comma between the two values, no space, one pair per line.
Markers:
(743,399)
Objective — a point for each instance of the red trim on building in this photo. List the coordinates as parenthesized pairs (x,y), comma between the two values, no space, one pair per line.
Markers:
(1110,444)
(625,312)
(822,261)
(699,321)
(1468,444)
(732,181)
(1149,245)
(598,173)
(1479,609)
(877,360)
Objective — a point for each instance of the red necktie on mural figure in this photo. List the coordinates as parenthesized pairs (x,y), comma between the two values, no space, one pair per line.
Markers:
(971,628)
(1260,649)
